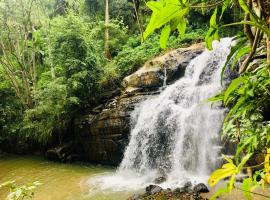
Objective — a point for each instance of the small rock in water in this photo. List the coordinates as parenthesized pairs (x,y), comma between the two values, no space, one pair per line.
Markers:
(200,188)
(178,191)
(136,197)
(160,180)
(188,184)
(153,189)
(187,187)
(161,176)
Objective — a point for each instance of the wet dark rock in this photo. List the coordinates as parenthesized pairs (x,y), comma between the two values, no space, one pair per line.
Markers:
(177,191)
(161,176)
(187,185)
(61,153)
(137,197)
(167,194)
(160,180)
(153,189)
(200,188)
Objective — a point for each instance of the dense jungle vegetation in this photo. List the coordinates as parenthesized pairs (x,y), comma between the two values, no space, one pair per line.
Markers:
(58,58)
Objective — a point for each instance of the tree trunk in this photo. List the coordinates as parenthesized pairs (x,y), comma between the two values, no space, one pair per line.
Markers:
(106,34)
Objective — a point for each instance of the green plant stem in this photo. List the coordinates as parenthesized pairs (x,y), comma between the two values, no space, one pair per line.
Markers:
(260,26)
(253,193)
(208,6)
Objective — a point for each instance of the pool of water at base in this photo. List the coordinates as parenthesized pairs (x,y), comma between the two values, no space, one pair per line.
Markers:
(59,181)
(73,181)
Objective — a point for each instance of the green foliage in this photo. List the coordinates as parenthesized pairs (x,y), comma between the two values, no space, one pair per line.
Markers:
(74,54)
(118,36)
(10,109)
(121,10)
(170,12)
(134,54)
(164,37)
(213,31)
(53,65)
(49,114)
(229,169)
(20,192)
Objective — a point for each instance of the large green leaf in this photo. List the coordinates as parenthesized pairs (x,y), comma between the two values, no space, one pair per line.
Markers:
(232,87)
(239,54)
(224,7)
(165,34)
(243,162)
(182,27)
(163,13)
(212,33)
(246,188)
(226,170)
(244,6)
(219,193)
(241,40)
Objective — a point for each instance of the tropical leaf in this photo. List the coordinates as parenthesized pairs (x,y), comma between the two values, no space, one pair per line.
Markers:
(224,7)
(232,87)
(167,12)
(226,170)
(212,33)
(181,27)
(244,143)
(165,34)
(240,42)
(219,193)
(239,54)
(231,183)
(243,162)
(246,187)
(163,13)
(244,6)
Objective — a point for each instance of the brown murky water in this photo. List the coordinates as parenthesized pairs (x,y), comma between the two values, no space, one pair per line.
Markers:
(59,181)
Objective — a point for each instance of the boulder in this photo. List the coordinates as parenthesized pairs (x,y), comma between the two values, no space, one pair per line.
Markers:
(178,191)
(160,180)
(161,176)
(165,68)
(61,153)
(200,188)
(187,187)
(153,189)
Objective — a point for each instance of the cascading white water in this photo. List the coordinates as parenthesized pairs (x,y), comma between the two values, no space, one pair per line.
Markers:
(177,131)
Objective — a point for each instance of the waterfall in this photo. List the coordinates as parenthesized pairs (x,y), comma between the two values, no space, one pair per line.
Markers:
(176,133)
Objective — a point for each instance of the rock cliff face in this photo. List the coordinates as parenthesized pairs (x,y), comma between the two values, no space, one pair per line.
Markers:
(103,133)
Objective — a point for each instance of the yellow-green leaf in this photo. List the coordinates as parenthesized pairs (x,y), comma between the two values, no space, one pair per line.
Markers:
(246,187)
(212,33)
(182,27)
(218,193)
(227,170)
(165,34)
(232,87)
